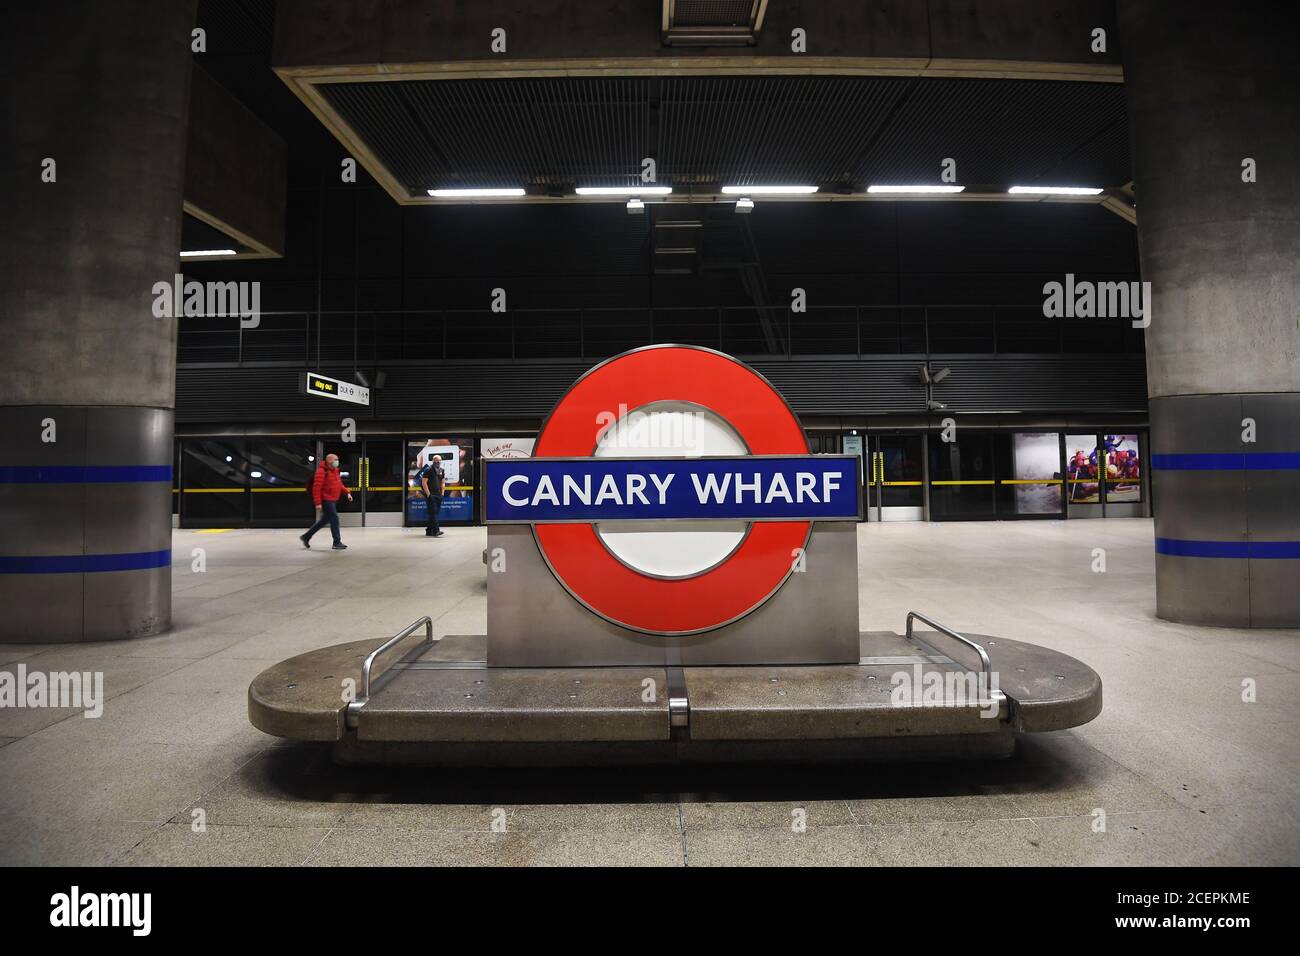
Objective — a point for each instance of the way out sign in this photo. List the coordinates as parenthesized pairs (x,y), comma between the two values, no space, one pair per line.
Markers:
(322,386)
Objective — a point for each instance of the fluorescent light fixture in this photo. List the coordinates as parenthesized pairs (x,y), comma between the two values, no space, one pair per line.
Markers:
(744,205)
(624,190)
(209,252)
(502,193)
(635,206)
(768,190)
(917,190)
(1054,190)
(256,474)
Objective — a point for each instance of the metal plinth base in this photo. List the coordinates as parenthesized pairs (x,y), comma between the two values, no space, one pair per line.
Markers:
(907,698)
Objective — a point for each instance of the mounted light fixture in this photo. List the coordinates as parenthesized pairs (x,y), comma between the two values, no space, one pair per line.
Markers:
(635,206)
(1054,191)
(209,252)
(744,205)
(915,190)
(768,190)
(494,193)
(624,190)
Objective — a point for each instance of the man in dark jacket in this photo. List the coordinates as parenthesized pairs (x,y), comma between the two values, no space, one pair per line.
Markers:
(326,488)
(432,483)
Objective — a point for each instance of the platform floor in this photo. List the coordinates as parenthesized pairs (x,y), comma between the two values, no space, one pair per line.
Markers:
(1184,770)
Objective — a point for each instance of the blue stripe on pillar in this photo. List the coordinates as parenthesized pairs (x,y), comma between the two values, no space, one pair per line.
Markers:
(84,563)
(1227,549)
(1228,461)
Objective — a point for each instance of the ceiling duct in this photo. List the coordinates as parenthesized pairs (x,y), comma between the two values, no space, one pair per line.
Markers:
(712,22)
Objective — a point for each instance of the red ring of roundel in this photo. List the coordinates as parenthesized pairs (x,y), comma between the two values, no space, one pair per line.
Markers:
(754,570)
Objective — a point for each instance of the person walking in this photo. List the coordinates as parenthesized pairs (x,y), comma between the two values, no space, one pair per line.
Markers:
(432,483)
(326,488)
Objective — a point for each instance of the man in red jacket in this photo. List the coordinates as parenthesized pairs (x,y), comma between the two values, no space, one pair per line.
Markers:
(325,490)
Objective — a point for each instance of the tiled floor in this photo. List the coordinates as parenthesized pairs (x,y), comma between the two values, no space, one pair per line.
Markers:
(1178,769)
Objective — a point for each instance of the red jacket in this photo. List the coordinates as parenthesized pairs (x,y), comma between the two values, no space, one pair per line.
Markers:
(328,485)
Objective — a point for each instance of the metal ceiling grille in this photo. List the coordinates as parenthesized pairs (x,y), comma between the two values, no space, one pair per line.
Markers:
(831,131)
(712,13)
(1002,132)
(712,22)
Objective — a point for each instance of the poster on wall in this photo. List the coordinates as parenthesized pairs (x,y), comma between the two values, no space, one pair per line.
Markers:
(1123,468)
(1037,463)
(458,489)
(1081,469)
(506,447)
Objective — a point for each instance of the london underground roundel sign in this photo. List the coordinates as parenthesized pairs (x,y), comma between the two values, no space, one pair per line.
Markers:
(603,473)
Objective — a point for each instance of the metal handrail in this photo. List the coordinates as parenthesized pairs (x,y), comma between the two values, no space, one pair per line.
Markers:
(373,655)
(879,329)
(985,665)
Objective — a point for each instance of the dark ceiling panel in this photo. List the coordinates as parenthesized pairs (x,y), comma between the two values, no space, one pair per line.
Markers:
(237,26)
(834,131)
(1003,132)
(197,234)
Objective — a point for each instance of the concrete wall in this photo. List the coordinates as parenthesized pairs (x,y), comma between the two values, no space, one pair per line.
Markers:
(102,89)
(338,32)
(236,167)
(1210,85)
(87,374)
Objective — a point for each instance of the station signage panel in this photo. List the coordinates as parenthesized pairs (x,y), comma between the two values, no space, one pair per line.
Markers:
(776,488)
(670,538)
(322,386)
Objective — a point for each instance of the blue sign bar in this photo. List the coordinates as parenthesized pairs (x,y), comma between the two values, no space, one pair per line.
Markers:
(758,488)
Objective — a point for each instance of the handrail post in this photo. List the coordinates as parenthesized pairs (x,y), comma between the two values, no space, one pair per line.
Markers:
(986,666)
(369,663)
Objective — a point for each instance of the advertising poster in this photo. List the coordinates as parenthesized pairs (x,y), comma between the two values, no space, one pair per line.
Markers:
(458,489)
(1123,468)
(506,447)
(1037,463)
(1081,469)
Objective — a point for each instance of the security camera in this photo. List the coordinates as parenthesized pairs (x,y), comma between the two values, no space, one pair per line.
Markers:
(940,375)
(934,406)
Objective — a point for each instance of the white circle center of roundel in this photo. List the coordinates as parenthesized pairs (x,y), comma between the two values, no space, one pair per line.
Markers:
(670,549)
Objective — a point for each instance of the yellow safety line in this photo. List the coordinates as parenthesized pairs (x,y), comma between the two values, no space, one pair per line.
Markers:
(1030,481)
(972,482)
(899,483)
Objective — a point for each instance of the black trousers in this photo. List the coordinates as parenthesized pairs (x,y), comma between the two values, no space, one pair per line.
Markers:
(431,523)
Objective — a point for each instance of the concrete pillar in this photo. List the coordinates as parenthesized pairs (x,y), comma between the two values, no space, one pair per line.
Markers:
(1210,86)
(101,88)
